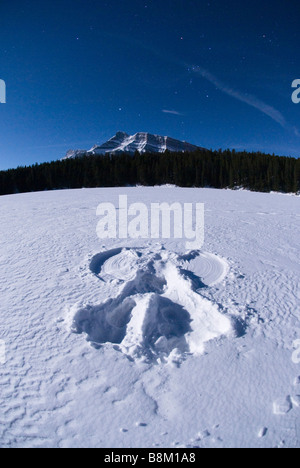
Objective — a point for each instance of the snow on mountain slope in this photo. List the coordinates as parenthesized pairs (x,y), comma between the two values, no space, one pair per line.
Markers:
(171,348)
(141,142)
(157,313)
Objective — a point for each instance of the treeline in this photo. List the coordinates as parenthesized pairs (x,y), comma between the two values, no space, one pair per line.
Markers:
(219,169)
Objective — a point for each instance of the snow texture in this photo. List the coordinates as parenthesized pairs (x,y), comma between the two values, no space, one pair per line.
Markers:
(142,142)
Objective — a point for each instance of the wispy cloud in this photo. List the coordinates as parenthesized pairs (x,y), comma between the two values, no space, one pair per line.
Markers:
(249,99)
(166,111)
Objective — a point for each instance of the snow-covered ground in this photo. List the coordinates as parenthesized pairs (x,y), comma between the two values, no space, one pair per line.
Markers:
(141,142)
(140,343)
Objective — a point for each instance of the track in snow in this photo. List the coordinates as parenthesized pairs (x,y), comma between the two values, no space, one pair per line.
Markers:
(159,311)
(210,268)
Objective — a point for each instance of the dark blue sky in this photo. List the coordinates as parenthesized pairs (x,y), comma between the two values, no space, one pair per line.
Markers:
(215,73)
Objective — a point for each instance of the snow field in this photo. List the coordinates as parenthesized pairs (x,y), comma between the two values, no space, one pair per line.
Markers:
(194,348)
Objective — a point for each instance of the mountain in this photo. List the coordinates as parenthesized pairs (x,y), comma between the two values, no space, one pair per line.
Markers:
(141,142)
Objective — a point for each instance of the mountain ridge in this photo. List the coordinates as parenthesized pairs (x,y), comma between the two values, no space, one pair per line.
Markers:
(142,142)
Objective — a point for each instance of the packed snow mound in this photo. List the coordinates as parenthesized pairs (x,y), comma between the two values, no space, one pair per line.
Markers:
(159,311)
(142,142)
